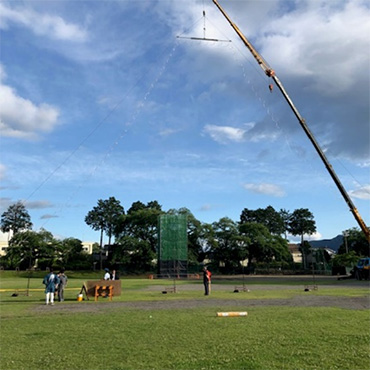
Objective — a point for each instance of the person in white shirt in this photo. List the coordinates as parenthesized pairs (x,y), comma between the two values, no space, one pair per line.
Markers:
(107,274)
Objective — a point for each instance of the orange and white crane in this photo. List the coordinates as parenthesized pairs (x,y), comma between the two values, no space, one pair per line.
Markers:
(271,73)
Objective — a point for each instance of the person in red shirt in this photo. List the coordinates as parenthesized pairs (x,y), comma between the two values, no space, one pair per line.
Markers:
(206,280)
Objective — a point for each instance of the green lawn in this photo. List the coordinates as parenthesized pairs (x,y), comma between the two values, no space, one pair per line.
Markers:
(268,338)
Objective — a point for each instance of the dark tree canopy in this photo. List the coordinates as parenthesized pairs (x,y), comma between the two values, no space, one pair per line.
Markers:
(71,254)
(16,219)
(262,246)
(136,236)
(356,241)
(224,241)
(103,217)
(267,217)
(40,249)
(136,206)
(28,247)
(285,216)
(95,218)
(302,222)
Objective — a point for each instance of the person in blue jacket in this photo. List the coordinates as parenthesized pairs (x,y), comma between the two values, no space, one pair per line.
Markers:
(51,281)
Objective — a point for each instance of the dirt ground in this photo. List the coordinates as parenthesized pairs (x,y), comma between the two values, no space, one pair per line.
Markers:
(302,299)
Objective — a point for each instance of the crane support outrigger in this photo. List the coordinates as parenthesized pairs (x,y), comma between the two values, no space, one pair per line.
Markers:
(271,73)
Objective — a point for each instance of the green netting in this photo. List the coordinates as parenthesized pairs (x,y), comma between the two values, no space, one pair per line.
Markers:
(173,238)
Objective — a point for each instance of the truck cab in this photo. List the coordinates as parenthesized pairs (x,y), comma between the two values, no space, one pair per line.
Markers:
(362,269)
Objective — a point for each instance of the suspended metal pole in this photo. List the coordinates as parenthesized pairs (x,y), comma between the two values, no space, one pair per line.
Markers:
(271,73)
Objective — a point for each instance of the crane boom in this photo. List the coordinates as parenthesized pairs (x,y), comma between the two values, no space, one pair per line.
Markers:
(271,73)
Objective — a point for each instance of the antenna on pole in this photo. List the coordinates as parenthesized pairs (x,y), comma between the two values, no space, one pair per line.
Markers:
(204,38)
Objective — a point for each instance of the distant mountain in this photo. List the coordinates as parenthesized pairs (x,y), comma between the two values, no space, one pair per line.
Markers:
(334,243)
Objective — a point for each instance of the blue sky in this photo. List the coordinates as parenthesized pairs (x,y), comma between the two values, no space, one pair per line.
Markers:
(101,99)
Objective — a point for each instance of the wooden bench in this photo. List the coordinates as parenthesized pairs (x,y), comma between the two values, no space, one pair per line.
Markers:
(103,291)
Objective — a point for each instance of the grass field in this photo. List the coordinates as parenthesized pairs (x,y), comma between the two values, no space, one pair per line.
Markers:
(114,335)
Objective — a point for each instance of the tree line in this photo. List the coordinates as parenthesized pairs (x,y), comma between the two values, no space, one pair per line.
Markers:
(260,236)
(256,237)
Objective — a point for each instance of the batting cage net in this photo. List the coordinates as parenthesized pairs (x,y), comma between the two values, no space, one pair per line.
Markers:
(173,246)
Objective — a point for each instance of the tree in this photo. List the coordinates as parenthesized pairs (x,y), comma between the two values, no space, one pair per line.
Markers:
(347,259)
(267,217)
(132,254)
(96,220)
(104,217)
(356,241)
(141,222)
(112,211)
(302,222)
(136,235)
(261,245)
(225,247)
(71,255)
(285,216)
(15,219)
(30,247)
(136,206)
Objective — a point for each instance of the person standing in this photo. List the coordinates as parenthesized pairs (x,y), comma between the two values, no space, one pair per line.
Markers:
(206,280)
(107,274)
(114,275)
(63,280)
(50,281)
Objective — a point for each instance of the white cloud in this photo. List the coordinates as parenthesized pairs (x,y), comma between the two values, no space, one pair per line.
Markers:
(252,132)
(2,172)
(362,193)
(22,118)
(47,25)
(307,237)
(206,207)
(261,134)
(168,132)
(314,236)
(321,42)
(224,134)
(267,189)
(364,164)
